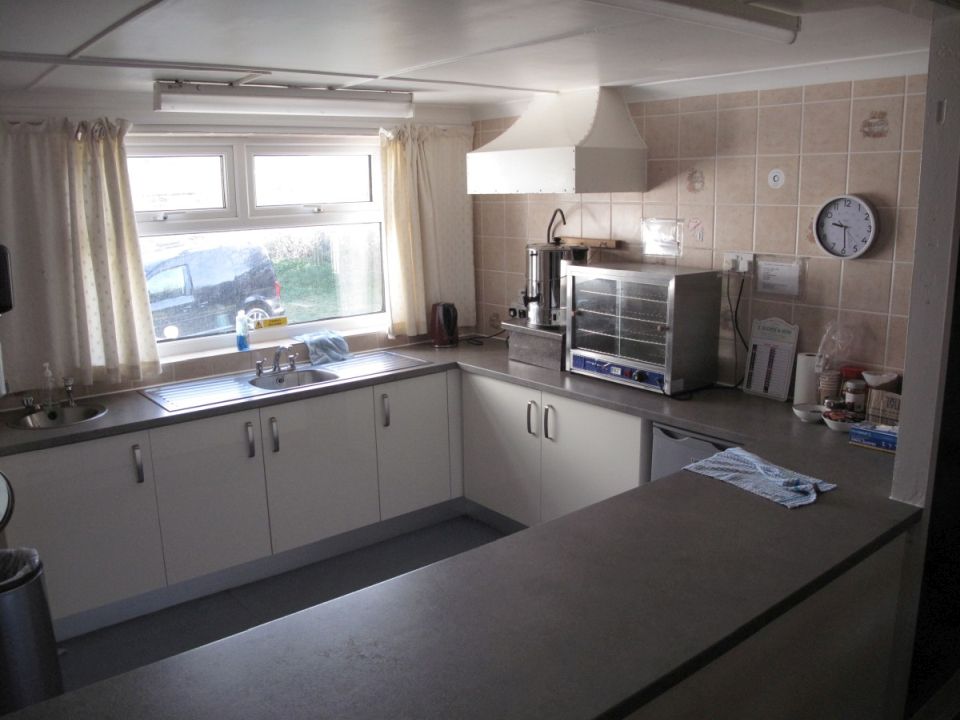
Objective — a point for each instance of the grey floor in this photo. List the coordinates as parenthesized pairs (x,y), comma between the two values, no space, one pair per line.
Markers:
(119,648)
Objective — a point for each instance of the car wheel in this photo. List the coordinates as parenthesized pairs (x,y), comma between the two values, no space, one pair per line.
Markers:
(257,312)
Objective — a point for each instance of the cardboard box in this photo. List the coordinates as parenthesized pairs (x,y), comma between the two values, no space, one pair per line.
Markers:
(877,437)
(883,407)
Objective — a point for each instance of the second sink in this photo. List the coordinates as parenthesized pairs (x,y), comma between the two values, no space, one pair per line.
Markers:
(293,378)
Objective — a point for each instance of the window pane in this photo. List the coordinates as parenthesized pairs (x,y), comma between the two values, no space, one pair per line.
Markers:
(311,179)
(197,282)
(176,183)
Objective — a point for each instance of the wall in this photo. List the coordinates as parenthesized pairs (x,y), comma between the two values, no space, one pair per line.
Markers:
(709,158)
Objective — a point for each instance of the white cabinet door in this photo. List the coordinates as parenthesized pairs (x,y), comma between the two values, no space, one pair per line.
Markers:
(501,447)
(93,517)
(211,494)
(413,443)
(589,454)
(321,461)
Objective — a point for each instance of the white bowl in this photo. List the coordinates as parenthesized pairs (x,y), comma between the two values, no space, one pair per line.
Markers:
(838,425)
(878,379)
(809,413)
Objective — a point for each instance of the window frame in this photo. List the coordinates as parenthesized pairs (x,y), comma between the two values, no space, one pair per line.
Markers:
(238,152)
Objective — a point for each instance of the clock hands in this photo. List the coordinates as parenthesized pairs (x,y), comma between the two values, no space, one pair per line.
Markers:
(845,228)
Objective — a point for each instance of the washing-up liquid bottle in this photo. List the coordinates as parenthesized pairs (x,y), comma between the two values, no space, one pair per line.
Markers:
(49,384)
(243,331)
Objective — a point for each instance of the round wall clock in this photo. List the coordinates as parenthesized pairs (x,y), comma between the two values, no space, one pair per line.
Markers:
(845,226)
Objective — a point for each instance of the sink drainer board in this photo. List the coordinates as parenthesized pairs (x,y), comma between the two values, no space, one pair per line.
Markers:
(211,391)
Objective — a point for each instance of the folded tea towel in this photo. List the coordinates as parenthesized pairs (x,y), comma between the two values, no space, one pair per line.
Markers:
(750,472)
(325,346)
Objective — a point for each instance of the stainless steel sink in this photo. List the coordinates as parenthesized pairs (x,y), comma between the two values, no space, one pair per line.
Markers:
(291,379)
(58,417)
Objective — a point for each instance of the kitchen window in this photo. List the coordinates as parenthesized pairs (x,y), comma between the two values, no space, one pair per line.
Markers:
(270,226)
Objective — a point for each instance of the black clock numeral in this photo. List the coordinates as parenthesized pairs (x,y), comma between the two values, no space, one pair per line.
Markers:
(869,228)
(856,247)
(829,214)
(866,217)
(843,251)
(846,203)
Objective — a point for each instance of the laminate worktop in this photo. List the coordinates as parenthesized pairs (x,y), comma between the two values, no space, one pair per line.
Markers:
(590,615)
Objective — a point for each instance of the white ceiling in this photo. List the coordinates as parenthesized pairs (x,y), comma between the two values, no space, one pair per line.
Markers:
(472,52)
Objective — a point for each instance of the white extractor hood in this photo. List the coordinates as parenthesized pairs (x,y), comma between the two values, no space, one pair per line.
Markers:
(576,142)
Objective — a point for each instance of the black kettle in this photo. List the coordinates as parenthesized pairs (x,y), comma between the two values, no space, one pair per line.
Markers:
(443,324)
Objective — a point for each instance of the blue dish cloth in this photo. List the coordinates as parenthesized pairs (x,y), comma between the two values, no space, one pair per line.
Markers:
(754,474)
(325,346)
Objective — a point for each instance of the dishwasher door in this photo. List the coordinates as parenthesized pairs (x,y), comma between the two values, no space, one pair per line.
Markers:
(673,449)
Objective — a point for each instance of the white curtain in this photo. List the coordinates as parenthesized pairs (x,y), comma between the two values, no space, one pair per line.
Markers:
(66,215)
(428,220)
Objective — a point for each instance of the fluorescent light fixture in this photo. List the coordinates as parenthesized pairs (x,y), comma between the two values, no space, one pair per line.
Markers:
(260,100)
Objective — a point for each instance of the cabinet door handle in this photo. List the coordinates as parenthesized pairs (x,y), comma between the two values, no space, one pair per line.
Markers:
(546,421)
(275,432)
(530,406)
(385,399)
(251,445)
(138,463)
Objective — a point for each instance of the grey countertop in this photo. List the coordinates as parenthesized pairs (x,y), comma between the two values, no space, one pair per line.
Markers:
(589,615)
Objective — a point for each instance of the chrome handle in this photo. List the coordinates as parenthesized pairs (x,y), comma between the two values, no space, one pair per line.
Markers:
(546,421)
(251,445)
(138,462)
(385,399)
(275,432)
(530,405)
(662,328)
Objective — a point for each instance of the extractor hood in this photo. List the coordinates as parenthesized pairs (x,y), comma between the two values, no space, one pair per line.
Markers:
(576,142)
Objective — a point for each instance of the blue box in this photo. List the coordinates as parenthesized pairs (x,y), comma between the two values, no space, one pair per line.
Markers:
(878,437)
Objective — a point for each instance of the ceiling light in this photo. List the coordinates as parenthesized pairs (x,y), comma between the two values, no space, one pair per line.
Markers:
(259,100)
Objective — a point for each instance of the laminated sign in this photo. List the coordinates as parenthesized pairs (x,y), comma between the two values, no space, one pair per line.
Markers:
(773,347)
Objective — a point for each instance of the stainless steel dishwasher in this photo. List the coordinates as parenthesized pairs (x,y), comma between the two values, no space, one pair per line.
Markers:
(673,448)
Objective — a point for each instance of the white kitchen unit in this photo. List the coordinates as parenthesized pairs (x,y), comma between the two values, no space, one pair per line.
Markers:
(320,456)
(91,510)
(413,443)
(535,456)
(501,447)
(211,494)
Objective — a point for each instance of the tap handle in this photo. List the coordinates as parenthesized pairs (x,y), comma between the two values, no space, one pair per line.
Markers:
(292,358)
(259,365)
(27,401)
(68,383)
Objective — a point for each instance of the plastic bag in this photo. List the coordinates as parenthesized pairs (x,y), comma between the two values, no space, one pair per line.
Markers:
(836,339)
(17,566)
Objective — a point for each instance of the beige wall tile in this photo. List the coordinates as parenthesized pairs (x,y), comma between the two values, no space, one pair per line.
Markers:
(875,176)
(493,288)
(491,218)
(883,244)
(779,130)
(734,228)
(737,132)
(660,210)
(806,241)
(736,180)
(896,344)
(821,177)
(697,135)
(491,253)
(595,220)
(595,197)
(813,323)
(515,255)
(821,282)
(661,107)
(540,212)
(661,181)
(870,336)
(827,91)
(696,258)
(781,96)
(826,127)
(789,167)
(697,181)
(776,230)
(697,103)
(737,99)
(865,285)
(660,133)
(490,317)
(763,309)
(515,219)
(876,124)
(900,292)
(916,83)
(697,226)
(910,180)
(906,234)
(635,109)
(626,197)
(913,122)
(626,222)
(881,86)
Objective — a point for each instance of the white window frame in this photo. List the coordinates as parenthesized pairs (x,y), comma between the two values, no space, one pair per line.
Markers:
(238,152)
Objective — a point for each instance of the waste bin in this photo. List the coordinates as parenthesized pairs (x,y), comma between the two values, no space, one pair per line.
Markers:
(29,668)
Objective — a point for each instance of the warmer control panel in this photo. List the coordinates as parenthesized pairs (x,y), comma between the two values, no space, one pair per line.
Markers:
(618,371)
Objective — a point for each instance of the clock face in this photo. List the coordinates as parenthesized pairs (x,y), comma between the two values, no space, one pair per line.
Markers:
(846,226)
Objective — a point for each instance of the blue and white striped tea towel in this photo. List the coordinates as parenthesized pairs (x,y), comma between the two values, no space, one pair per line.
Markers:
(754,474)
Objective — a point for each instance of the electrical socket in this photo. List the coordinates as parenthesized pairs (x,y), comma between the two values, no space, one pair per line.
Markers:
(737,262)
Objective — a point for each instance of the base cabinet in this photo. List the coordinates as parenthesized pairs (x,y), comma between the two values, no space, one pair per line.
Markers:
(535,456)
(91,510)
(321,466)
(211,494)
(413,443)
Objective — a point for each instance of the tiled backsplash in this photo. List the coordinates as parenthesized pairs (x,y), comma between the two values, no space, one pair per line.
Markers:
(709,162)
